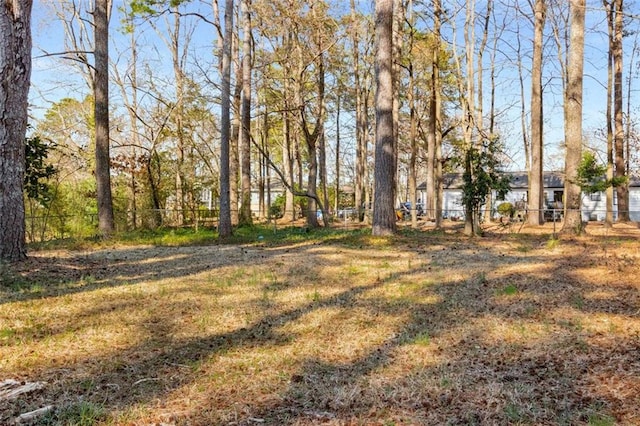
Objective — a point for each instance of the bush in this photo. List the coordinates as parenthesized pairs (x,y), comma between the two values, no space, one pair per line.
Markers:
(506,209)
(276,209)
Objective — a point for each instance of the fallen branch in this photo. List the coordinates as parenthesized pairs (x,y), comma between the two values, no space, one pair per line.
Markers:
(149,379)
(10,389)
(26,417)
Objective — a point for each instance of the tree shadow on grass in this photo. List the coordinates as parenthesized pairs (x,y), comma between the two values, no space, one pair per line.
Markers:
(52,276)
(471,372)
(554,376)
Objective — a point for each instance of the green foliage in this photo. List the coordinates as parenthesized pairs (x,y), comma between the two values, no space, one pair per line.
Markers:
(591,175)
(508,290)
(481,175)
(152,7)
(73,210)
(276,209)
(37,172)
(506,209)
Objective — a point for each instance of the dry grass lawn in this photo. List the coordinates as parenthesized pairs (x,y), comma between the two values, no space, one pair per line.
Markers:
(347,329)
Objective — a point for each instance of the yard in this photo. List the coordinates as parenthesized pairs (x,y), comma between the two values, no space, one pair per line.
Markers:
(333,327)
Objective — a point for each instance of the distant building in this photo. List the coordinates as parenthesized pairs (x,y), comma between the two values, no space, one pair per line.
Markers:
(593,205)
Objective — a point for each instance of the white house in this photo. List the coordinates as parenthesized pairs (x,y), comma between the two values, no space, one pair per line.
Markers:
(593,205)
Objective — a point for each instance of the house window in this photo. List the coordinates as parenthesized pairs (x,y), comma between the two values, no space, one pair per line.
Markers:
(558,196)
(596,196)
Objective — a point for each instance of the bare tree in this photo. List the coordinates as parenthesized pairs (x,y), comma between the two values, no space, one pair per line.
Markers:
(384,218)
(15,57)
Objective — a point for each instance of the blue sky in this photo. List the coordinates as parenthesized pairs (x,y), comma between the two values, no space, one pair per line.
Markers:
(54,79)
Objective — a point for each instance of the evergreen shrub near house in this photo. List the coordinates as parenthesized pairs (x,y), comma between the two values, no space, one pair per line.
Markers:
(506,209)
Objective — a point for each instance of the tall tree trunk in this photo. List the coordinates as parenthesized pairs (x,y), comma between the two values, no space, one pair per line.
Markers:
(413,125)
(15,57)
(384,217)
(101,95)
(413,140)
(178,73)
(573,118)
(131,103)
(245,206)
(367,186)
(620,169)
(468,100)
(360,128)
(263,165)
(396,52)
(311,138)
(524,126)
(480,102)
(287,133)
(609,117)
(434,138)
(287,161)
(322,174)
(536,182)
(234,158)
(224,225)
(337,183)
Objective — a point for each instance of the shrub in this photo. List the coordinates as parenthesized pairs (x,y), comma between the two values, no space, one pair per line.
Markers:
(506,209)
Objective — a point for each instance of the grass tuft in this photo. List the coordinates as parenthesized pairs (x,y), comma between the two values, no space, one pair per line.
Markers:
(78,414)
(508,290)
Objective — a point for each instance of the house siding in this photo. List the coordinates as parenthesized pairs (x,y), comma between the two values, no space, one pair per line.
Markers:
(593,207)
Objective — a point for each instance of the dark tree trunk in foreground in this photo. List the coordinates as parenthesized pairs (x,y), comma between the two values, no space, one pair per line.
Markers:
(101,94)
(224,225)
(384,217)
(245,140)
(15,73)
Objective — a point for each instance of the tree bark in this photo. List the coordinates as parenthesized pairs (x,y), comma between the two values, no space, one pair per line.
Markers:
(287,137)
(620,169)
(384,218)
(245,140)
(360,127)
(224,225)
(337,183)
(609,115)
(101,95)
(435,129)
(536,182)
(234,157)
(15,73)
(573,119)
